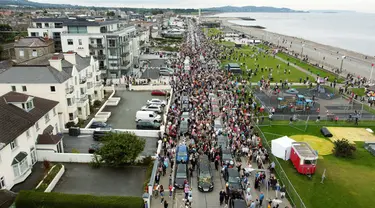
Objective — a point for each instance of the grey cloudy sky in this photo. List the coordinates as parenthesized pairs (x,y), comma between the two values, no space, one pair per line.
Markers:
(356,5)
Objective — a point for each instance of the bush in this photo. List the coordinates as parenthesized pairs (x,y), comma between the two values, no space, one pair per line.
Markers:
(97,103)
(48,179)
(343,148)
(32,199)
(148,174)
(69,124)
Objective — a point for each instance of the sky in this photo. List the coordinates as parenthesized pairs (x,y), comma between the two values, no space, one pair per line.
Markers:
(353,5)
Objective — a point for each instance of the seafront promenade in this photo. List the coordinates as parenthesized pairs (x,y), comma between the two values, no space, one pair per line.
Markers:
(328,56)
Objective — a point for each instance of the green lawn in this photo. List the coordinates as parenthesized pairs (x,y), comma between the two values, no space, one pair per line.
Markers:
(311,68)
(348,183)
(213,32)
(264,61)
(358,91)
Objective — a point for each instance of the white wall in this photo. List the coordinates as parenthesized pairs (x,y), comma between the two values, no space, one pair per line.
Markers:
(41,31)
(64,157)
(83,50)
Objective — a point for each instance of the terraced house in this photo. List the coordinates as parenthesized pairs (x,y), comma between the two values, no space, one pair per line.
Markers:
(67,78)
(28,124)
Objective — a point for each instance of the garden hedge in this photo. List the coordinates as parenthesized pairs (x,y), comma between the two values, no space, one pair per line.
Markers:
(33,199)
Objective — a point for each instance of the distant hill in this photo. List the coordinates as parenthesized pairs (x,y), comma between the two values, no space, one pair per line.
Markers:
(26,3)
(331,11)
(251,9)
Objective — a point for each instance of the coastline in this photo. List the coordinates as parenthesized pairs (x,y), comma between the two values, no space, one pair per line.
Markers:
(328,56)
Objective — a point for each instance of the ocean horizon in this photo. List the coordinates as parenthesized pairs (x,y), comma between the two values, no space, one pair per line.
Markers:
(351,31)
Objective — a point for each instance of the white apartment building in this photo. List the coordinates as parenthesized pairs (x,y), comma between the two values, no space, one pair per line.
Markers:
(67,78)
(112,42)
(27,125)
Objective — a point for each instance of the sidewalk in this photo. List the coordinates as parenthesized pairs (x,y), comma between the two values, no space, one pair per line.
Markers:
(164,180)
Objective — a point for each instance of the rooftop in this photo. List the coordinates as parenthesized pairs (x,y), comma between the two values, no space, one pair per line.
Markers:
(77,21)
(304,150)
(14,121)
(32,42)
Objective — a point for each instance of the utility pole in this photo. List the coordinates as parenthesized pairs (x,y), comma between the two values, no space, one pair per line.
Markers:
(342,63)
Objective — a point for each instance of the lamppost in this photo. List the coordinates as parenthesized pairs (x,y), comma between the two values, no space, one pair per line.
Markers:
(372,69)
(342,63)
(303,45)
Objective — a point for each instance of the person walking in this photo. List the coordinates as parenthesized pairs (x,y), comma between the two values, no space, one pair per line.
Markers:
(221,196)
(161,190)
(171,188)
(261,198)
(165,204)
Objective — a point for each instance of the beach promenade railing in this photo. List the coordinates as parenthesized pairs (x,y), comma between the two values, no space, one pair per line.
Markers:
(292,194)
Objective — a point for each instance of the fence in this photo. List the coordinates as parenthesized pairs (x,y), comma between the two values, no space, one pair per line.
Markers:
(292,194)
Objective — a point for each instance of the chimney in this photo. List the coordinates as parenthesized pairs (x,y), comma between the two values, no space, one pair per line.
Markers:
(55,62)
(70,56)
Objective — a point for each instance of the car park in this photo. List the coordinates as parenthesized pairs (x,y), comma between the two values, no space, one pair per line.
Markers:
(95,147)
(205,180)
(147,116)
(182,154)
(181,175)
(147,125)
(227,158)
(98,124)
(156,102)
(158,93)
(152,107)
(184,127)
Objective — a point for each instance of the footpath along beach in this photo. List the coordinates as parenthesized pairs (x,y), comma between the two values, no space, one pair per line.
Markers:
(330,57)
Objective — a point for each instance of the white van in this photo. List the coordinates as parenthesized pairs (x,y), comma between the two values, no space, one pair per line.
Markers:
(147,116)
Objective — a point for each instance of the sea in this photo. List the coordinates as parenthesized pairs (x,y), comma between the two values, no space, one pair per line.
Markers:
(352,31)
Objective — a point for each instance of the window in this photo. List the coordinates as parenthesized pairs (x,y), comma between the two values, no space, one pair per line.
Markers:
(79,41)
(22,53)
(20,168)
(13,144)
(2,182)
(70,41)
(28,133)
(112,43)
(29,105)
(46,25)
(38,25)
(37,126)
(35,53)
(57,128)
(53,89)
(46,117)
(75,29)
(54,111)
(24,88)
(14,88)
(112,52)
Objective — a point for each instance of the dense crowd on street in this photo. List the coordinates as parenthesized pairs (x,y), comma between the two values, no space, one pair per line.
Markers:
(216,97)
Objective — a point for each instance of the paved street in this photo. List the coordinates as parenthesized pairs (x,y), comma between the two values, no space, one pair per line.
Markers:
(82,179)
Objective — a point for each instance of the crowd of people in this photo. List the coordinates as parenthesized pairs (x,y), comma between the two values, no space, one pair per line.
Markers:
(215,97)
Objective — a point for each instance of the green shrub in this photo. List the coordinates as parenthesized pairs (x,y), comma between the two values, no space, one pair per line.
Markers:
(148,174)
(32,199)
(97,103)
(343,148)
(69,124)
(48,179)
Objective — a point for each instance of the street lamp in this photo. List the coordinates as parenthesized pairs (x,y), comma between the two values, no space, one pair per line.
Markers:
(303,45)
(342,62)
(372,69)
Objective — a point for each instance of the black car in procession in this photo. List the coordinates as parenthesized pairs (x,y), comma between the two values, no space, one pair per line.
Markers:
(226,157)
(205,178)
(232,177)
(181,175)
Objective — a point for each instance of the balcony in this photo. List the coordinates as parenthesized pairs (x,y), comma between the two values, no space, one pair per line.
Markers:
(90,85)
(100,57)
(82,80)
(69,90)
(96,46)
(89,75)
(113,46)
(83,98)
(102,68)
(125,54)
(126,43)
(98,84)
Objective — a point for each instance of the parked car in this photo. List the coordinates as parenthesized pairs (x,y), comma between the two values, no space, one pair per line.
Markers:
(166,72)
(205,182)
(232,177)
(158,93)
(184,127)
(182,153)
(226,158)
(181,175)
(147,125)
(98,124)
(147,116)
(100,133)
(152,107)
(157,102)
(95,147)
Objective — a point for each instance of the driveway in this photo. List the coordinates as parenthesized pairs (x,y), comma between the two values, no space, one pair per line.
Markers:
(104,181)
(32,180)
(123,115)
(83,142)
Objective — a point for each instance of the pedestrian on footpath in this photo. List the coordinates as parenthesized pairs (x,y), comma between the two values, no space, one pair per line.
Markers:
(261,198)
(171,188)
(161,190)
(165,204)
(221,196)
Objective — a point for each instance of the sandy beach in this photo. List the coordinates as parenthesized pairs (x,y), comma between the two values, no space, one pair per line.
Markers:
(328,56)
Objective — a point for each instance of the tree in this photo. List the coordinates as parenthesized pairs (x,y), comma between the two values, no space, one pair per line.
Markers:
(111,14)
(343,148)
(120,148)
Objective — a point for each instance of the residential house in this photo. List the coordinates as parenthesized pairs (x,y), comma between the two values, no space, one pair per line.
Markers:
(68,78)
(28,124)
(32,47)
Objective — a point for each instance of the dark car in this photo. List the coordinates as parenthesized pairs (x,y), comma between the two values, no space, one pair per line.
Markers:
(237,203)
(95,147)
(98,124)
(181,175)
(226,158)
(98,134)
(222,141)
(147,125)
(205,182)
(232,177)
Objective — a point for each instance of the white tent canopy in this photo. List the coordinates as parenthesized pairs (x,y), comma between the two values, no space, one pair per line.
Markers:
(281,147)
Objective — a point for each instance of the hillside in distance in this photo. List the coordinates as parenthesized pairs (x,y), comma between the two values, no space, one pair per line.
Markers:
(251,9)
